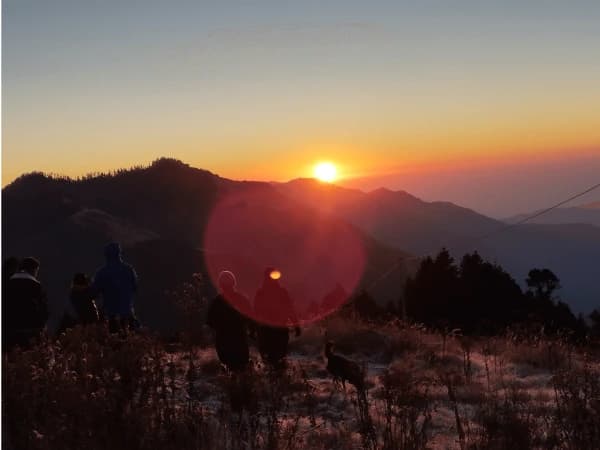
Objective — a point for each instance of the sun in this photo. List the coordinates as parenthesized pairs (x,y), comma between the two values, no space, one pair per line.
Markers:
(325,171)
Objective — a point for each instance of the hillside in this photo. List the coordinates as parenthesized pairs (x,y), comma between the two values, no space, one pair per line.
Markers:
(162,214)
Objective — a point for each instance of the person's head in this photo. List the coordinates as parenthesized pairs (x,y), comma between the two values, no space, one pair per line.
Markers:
(80,279)
(227,281)
(30,265)
(112,251)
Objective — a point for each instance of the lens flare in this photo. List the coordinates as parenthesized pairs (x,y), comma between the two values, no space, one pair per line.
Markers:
(323,259)
(275,275)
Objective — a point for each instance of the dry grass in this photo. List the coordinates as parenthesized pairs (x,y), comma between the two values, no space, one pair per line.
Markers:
(90,389)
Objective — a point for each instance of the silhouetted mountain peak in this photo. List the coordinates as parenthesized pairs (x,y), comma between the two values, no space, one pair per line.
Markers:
(381,191)
(304,181)
(385,193)
(166,162)
(312,183)
(172,167)
(33,180)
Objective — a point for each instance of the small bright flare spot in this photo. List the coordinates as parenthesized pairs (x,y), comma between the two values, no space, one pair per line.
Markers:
(326,172)
(275,275)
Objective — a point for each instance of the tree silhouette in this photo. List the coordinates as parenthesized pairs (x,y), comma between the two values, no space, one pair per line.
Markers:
(595,319)
(431,294)
(489,298)
(365,306)
(543,283)
(481,297)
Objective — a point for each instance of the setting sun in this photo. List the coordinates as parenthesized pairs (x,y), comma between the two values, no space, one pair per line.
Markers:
(326,172)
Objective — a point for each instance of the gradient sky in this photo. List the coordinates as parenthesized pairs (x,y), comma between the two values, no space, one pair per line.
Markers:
(263,90)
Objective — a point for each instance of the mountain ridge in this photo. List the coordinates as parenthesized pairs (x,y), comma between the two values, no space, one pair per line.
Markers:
(423,228)
(391,223)
(161,213)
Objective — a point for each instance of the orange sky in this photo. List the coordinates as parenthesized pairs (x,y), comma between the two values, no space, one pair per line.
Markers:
(265,92)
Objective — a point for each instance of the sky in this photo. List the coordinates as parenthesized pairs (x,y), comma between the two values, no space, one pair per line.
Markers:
(461,101)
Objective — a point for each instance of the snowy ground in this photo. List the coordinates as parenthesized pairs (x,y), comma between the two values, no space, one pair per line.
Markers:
(455,390)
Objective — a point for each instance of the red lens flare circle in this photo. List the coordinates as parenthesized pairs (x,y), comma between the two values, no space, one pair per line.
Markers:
(294,265)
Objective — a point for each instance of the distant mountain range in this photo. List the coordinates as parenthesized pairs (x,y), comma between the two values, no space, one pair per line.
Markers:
(163,216)
(586,214)
(403,221)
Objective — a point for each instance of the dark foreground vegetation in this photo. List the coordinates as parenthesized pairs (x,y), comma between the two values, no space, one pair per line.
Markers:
(465,360)
(90,389)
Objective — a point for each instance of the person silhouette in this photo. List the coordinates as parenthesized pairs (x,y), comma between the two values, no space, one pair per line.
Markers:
(274,307)
(116,282)
(226,317)
(25,306)
(81,307)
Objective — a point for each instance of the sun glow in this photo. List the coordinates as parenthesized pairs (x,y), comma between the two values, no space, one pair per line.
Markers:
(325,171)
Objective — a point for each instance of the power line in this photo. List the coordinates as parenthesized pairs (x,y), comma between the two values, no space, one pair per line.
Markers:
(537,214)
(485,236)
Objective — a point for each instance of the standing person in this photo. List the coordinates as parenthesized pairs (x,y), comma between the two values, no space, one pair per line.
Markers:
(225,316)
(117,283)
(81,308)
(273,304)
(82,300)
(25,306)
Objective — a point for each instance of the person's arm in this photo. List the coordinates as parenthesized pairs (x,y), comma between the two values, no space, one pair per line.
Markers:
(289,304)
(94,290)
(134,280)
(292,317)
(95,287)
(210,314)
(246,314)
(42,308)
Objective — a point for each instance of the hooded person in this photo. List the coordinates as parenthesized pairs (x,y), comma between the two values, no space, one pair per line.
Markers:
(226,316)
(24,305)
(116,282)
(274,307)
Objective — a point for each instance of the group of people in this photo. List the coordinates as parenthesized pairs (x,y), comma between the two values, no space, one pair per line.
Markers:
(25,305)
(234,324)
(25,308)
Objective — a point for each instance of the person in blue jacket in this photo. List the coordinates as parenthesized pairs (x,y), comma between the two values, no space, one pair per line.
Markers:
(116,282)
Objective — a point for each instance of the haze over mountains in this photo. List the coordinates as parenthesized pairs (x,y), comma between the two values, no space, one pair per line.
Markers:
(160,214)
(588,214)
(403,221)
